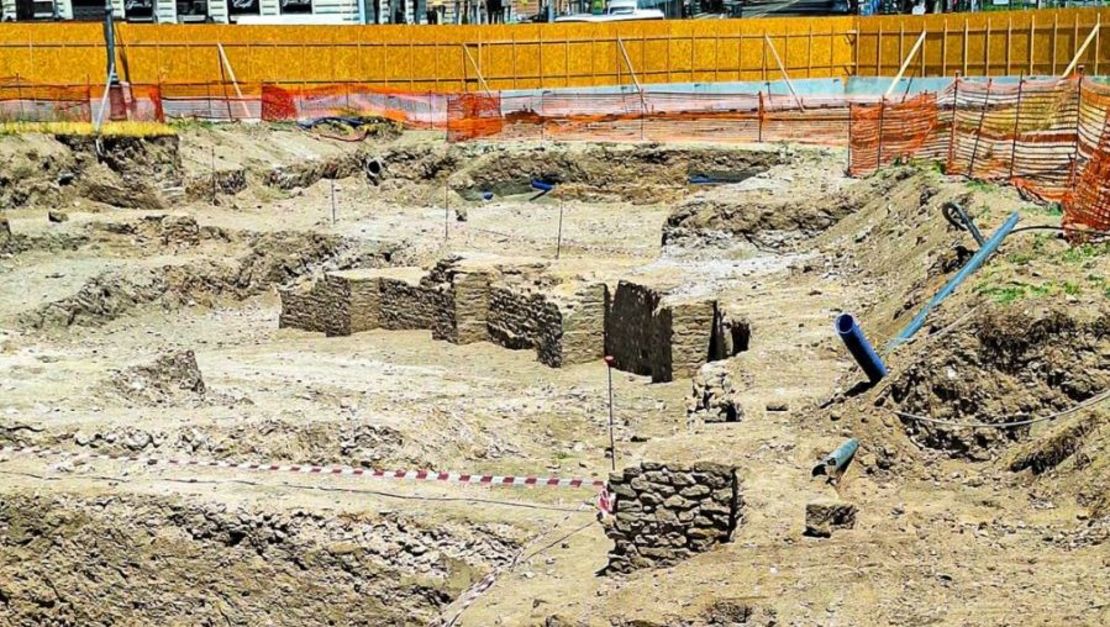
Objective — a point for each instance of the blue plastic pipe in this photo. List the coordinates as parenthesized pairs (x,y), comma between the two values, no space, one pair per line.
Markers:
(977,260)
(837,461)
(487,195)
(859,347)
(542,186)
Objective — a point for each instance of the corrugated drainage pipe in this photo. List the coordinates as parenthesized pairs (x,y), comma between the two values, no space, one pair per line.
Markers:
(859,347)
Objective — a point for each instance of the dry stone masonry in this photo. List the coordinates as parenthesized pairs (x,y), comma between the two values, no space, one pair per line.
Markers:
(825,516)
(519,304)
(715,394)
(651,333)
(663,514)
(350,301)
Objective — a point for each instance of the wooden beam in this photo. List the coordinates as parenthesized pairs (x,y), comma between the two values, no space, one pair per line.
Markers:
(782,68)
(1079,53)
(477,70)
(632,73)
(905,64)
(238,92)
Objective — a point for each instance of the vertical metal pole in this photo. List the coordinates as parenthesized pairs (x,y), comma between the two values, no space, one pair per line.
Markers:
(760,117)
(952,129)
(882,120)
(559,237)
(333,202)
(612,438)
(979,130)
(213,170)
(1017,121)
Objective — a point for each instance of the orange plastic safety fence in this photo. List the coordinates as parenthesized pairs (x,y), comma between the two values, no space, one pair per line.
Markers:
(21,100)
(470,116)
(891,131)
(1087,203)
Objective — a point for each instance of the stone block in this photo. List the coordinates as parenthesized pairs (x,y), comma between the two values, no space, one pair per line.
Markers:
(823,517)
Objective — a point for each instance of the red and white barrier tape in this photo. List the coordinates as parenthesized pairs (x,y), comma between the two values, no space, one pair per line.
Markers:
(411,475)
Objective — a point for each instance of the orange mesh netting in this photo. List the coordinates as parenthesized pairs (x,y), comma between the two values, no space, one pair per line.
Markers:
(1047,136)
(1087,203)
(470,116)
(20,100)
(891,131)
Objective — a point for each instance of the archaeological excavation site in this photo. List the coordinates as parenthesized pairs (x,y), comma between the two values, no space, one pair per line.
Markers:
(609,351)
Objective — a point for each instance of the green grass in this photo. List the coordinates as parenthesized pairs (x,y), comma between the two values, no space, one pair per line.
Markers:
(1053,209)
(1084,252)
(1015,291)
(976,185)
(109,129)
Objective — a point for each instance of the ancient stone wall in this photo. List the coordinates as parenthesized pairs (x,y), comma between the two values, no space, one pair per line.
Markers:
(350,301)
(683,335)
(521,319)
(562,330)
(648,334)
(565,322)
(630,334)
(665,513)
(406,304)
(461,296)
(305,307)
(582,337)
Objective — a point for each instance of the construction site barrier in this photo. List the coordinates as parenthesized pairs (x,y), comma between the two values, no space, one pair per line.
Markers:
(1047,136)
(482,58)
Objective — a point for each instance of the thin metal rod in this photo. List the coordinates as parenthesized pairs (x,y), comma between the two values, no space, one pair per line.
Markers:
(333,202)
(559,237)
(446,212)
(612,438)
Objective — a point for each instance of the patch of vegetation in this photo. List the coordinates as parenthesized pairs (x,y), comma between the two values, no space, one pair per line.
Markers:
(976,185)
(1084,252)
(108,129)
(1015,291)
(1053,209)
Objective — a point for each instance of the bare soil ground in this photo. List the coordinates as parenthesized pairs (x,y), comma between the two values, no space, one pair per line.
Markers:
(145,323)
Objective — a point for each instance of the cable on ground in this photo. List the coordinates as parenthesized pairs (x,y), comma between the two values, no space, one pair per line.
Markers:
(1094,400)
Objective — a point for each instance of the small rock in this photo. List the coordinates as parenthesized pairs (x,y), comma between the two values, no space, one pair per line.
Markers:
(57,216)
(778,406)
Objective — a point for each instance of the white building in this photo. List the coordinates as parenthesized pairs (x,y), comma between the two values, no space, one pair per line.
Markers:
(221,11)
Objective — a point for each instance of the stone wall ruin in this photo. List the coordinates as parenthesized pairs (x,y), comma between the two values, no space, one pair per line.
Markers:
(650,333)
(520,305)
(665,513)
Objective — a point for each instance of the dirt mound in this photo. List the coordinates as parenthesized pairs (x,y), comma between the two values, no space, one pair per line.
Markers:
(769,217)
(207,563)
(271,259)
(636,174)
(126,171)
(1004,364)
(172,379)
(51,171)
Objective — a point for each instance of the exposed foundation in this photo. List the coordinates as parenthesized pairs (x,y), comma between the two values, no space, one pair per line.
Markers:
(350,301)
(650,333)
(520,305)
(663,514)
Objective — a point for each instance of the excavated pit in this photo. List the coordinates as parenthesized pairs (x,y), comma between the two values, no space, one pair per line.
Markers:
(310,301)
(230,564)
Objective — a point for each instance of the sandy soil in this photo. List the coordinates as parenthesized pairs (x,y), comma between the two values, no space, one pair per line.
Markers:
(940,539)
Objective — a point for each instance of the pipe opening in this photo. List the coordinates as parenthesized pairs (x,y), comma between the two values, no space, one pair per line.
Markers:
(844,323)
